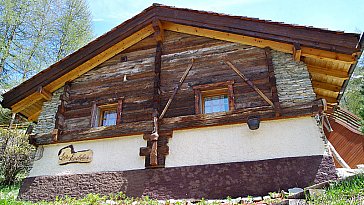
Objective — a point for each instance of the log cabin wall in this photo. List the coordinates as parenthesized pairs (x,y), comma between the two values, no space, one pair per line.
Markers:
(208,68)
(106,83)
(130,76)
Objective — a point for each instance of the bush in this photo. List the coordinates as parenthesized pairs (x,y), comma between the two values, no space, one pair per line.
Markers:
(15,154)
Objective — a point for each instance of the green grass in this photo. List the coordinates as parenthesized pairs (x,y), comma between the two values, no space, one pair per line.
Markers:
(350,191)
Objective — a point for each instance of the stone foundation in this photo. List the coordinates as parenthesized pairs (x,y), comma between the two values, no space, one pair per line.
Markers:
(207,181)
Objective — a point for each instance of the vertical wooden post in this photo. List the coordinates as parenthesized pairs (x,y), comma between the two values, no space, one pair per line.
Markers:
(119,111)
(60,118)
(272,81)
(158,35)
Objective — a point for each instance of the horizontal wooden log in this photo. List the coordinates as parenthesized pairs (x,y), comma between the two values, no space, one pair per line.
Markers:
(144,151)
(126,129)
(182,122)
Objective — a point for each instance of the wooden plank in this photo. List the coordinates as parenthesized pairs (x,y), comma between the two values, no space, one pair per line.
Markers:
(327,71)
(297,52)
(94,113)
(158,30)
(176,89)
(258,42)
(26,102)
(34,117)
(326,86)
(326,93)
(328,99)
(44,93)
(272,81)
(119,111)
(249,83)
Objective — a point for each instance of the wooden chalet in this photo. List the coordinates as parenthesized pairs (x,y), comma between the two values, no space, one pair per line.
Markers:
(178,103)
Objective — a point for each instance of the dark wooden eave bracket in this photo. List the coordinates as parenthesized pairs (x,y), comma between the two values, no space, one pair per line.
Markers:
(297,52)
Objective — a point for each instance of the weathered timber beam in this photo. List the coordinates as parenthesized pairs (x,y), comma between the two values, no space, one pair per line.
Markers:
(272,81)
(297,52)
(176,89)
(238,116)
(249,82)
(326,93)
(26,102)
(258,42)
(326,86)
(328,99)
(323,78)
(181,122)
(327,71)
(44,93)
(125,129)
(34,117)
(158,30)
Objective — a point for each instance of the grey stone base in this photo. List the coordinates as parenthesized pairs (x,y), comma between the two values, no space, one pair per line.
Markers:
(191,182)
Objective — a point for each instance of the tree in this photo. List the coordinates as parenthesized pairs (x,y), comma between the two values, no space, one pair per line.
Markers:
(35,34)
(15,154)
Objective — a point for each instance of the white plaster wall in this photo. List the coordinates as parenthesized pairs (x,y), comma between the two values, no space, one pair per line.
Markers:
(114,154)
(236,143)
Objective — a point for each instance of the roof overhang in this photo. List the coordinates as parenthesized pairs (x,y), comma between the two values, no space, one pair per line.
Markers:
(330,55)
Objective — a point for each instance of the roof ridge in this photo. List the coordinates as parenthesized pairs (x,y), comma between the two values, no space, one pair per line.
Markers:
(254,19)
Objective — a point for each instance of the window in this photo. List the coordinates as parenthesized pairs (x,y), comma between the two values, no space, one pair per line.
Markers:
(213,98)
(104,114)
(218,103)
(108,117)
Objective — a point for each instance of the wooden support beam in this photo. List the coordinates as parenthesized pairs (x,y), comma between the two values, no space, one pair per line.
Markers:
(297,52)
(258,42)
(176,89)
(158,30)
(326,93)
(327,98)
(35,116)
(272,81)
(26,102)
(144,151)
(326,86)
(44,93)
(249,83)
(327,71)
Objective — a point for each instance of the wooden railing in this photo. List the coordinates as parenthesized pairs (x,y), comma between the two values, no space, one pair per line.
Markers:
(340,114)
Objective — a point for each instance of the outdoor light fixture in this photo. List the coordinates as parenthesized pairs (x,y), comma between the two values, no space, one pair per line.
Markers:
(253,122)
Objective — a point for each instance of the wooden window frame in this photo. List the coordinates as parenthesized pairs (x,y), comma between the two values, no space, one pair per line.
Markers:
(98,110)
(213,89)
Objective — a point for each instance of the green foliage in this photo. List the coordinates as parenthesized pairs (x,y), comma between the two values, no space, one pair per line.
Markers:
(35,34)
(353,98)
(350,191)
(15,154)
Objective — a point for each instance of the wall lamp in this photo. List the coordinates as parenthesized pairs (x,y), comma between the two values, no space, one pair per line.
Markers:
(253,122)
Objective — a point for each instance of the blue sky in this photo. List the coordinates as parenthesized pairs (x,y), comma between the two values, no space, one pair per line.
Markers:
(342,15)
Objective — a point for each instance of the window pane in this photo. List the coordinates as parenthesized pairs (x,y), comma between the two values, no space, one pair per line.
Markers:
(216,104)
(109,118)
